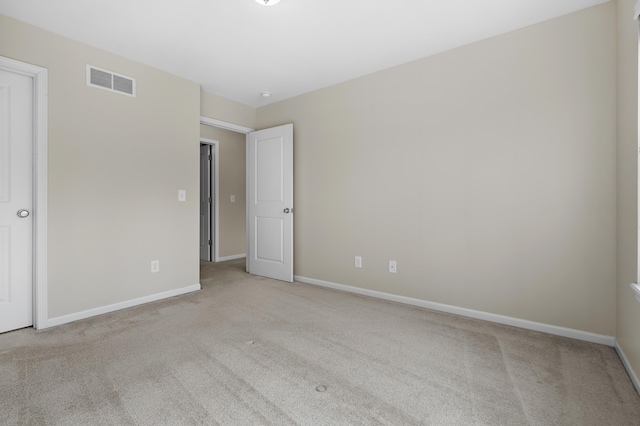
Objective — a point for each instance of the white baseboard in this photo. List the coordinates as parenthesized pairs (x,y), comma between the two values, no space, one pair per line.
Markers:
(486,316)
(232,257)
(52,322)
(627,366)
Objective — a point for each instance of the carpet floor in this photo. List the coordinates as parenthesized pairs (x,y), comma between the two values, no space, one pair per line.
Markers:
(248,350)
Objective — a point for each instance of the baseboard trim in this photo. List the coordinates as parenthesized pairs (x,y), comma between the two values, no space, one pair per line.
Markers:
(627,366)
(232,257)
(470,313)
(52,322)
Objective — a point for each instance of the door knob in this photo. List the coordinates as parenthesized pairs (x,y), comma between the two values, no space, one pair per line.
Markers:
(287,210)
(23,213)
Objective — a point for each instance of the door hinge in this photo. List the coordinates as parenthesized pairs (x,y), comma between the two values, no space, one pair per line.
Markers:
(209,242)
(209,158)
(209,200)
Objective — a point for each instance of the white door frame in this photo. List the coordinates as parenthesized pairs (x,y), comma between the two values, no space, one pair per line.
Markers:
(216,197)
(225,125)
(40,178)
(207,121)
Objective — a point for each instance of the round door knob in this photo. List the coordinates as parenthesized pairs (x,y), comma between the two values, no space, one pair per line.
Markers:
(23,213)
(287,210)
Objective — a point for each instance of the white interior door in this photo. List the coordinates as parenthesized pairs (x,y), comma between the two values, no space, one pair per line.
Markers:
(16,201)
(270,202)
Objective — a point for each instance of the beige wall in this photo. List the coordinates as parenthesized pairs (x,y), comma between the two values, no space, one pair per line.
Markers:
(232,163)
(628,310)
(488,173)
(116,164)
(214,106)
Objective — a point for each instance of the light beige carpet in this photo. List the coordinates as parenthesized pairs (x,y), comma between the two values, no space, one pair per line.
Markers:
(248,351)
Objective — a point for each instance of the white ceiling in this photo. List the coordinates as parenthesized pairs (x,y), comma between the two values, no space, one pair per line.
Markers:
(238,49)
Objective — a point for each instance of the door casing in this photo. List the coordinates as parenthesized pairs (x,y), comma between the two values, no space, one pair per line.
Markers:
(212,122)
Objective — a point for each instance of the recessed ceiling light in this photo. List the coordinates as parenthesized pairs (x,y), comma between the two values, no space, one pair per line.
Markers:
(267,2)
(265,94)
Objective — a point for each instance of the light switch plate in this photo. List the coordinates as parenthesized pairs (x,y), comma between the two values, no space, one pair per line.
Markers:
(182,195)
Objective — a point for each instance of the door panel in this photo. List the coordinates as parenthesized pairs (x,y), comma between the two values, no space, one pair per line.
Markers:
(5,149)
(16,194)
(270,170)
(269,176)
(5,266)
(269,239)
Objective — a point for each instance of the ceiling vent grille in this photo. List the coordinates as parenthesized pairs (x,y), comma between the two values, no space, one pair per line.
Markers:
(111,81)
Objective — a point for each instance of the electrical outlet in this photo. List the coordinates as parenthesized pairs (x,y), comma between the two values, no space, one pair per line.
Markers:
(233,198)
(358,262)
(182,195)
(155,266)
(393,267)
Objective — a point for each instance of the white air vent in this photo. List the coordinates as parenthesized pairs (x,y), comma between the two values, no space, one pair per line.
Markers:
(109,80)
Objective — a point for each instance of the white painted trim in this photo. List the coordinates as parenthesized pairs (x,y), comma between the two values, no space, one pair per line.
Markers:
(225,125)
(247,265)
(40,161)
(122,305)
(627,366)
(470,313)
(216,196)
(232,257)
